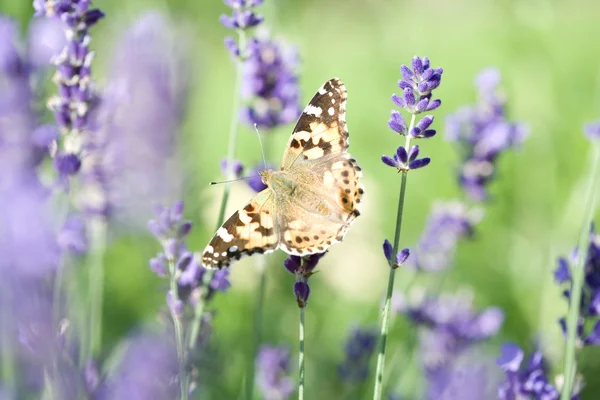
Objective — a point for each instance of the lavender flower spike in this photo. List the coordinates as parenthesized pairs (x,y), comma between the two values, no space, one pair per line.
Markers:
(242,18)
(73,65)
(270,83)
(404,160)
(417,85)
(359,348)
(302,268)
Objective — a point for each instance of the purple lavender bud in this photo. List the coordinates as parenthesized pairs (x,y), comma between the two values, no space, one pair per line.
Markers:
(511,357)
(398,100)
(413,153)
(594,308)
(402,256)
(301,291)
(311,261)
(184,260)
(425,122)
(422,105)
(158,265)
(243,17)
(292,263)
(390,161)
(67,164)
(420,163)
(220,281)
(401,155)
(155,228)
(227,21)
(397,122)
(232,47)
(92,17)
(175,305)
(272,372)
(407,74)
(72,237)
(255,180)
(184,229)
(562,273)
(417,65)
(409,97)
(176,211)
(433,105)
(592,130)
(91,376)
(404,85)
(387,250)
(594,337)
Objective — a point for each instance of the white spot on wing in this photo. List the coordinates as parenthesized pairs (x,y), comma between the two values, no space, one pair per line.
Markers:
(331,111)
(223,234)
(209,249)
(233,249)
(313,110)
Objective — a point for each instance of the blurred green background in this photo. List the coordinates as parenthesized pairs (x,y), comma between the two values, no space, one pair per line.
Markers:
(548,55)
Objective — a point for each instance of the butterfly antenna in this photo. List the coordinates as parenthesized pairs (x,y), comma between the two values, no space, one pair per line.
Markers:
(262,150)
(230,180)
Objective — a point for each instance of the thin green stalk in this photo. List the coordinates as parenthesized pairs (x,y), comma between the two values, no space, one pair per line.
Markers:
(385,323)
(257,334)
(578,274)
(8,375)
(231,148)
(98,231)
(301,357)
(183,376)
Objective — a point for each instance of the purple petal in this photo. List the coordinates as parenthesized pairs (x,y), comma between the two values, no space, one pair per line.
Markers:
(401,155)
(413,153)
(390,161)
(562,273)
(387,249)
(402,256)
(423,162)
(511,357)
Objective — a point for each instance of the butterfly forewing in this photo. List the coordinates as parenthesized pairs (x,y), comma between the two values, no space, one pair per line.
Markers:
(321,129)
(248,231)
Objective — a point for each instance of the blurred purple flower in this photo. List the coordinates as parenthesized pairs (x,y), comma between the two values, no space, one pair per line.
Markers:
(528,381)
(73,65)
(130,162)
(358,349)
(270,77)
(236,167)
(592,130)
(450,324)
(46,40)
(461,380)
(255,180)
(72,237)
(148,370)
(447,223)
(483,132)
(171,230)
(272,373)
(302,268)
(590,298)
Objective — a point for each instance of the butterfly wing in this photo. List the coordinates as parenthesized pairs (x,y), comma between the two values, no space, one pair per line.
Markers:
(250,230)
(321,128)
(328,194)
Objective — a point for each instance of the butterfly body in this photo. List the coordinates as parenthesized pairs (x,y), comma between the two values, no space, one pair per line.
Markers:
(309,203)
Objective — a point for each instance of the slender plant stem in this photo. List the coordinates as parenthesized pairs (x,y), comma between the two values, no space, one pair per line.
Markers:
(385,323)
(98,232)
(8,375)
(257,334)
(301,357)
(231,149)
(183,376)
(578,274)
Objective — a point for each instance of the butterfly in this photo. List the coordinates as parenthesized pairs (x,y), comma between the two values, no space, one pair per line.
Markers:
(309,203)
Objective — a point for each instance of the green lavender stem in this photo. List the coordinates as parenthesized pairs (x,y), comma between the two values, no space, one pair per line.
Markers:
(98,231)
(301,357)
(385,323)
(257,334)
(570,367)
(183,376)
(233,134)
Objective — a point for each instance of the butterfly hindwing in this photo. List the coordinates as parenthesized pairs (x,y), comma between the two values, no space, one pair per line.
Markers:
(321,129)
(249,230)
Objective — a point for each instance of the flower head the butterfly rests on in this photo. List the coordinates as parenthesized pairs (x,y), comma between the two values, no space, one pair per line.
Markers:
(309,203)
